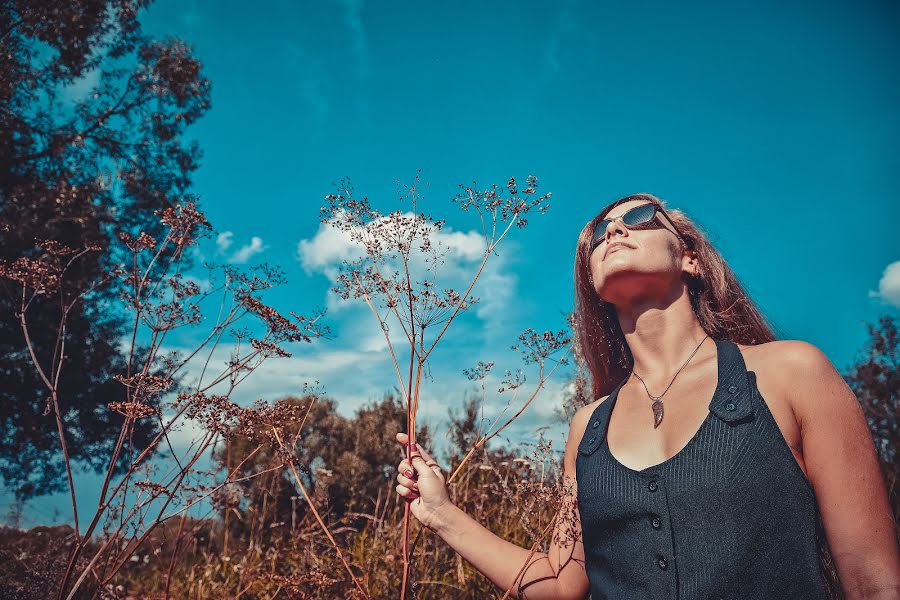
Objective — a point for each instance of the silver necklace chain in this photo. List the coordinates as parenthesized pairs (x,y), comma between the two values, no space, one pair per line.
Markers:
(657,400)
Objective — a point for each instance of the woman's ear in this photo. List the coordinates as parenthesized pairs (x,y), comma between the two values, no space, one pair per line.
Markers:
(693,263)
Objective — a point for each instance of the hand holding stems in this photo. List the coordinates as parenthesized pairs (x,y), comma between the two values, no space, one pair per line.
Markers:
(422,483)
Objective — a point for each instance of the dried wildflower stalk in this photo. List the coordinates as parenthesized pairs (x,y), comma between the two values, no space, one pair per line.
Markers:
(396,245)
(161,299)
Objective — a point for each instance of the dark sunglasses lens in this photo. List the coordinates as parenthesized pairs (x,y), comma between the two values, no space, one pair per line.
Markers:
(639,214)
(599,232)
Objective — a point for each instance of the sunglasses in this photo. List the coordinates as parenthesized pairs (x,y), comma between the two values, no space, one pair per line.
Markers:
(640,217)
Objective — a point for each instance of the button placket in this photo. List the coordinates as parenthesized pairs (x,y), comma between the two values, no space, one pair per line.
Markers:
(657,497)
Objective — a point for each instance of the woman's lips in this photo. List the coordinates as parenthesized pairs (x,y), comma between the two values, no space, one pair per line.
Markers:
(615,247)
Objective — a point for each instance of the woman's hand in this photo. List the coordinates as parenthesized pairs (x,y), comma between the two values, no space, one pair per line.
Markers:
(422,484)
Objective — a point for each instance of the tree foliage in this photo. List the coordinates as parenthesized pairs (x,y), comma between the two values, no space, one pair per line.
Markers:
(348,464)
(875,379)
(91,144)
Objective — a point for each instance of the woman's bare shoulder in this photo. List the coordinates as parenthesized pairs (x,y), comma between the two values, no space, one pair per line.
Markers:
(771,358)
(782,367)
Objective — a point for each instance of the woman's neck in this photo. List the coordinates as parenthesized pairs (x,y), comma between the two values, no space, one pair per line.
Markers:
(661,334)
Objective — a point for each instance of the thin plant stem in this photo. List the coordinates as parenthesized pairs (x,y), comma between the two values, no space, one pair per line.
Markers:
(322,524)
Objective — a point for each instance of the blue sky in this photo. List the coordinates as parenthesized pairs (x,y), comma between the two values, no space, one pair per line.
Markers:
(774,125)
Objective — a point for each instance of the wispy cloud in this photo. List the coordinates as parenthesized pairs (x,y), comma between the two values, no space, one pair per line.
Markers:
(359,43)
(224,241)
(889,285)
(561,30)
(310,78)
(248,251)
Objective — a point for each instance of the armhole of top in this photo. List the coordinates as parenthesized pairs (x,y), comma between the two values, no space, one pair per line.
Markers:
(763,405)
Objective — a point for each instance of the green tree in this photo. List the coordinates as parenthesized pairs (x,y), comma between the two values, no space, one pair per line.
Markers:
(875,379)
(347,465)
(91,143)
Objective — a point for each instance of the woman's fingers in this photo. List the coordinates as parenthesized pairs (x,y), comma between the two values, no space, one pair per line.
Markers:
(403,439)
(407,481)
(417,450)
(407,493)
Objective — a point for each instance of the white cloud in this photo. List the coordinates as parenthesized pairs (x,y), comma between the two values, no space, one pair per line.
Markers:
(461,252)
(498,291)
(372,375)
(329,247)
(326,250)
(247,251)
(889,286)
(224,241)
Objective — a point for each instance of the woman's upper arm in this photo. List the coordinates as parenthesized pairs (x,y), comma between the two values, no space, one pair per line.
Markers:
(566,552)
(843,468)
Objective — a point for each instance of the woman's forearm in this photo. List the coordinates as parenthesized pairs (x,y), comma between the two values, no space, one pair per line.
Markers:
(499,560)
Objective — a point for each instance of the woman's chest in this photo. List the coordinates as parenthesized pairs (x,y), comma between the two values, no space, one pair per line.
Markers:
(635,443)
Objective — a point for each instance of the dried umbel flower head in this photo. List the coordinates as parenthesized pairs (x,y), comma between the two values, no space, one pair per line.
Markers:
(151,487)
(387,269)
(185,222)
(142,386)
(267,349)
(43,273)
(55,248)
(132,410)
(480,371)
(143,242)
(491,200)
(40,277)
(281,329)
(217,413)
(538,347)
(276,425)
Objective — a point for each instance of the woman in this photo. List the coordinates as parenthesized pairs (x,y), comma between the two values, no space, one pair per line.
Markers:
(714,454)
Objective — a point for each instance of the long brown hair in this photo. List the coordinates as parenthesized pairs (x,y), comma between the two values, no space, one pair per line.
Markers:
(723,308)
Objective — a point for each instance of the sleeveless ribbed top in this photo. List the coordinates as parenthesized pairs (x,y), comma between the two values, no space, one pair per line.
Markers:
(730,516)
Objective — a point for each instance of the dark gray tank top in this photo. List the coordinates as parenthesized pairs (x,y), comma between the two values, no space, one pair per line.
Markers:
(730,516)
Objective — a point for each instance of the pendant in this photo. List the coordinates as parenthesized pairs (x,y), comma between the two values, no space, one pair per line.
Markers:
(657,413)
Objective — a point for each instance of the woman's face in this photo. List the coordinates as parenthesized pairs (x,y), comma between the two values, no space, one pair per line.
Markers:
(630,266)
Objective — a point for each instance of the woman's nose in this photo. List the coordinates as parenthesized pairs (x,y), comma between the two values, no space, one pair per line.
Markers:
(615,225)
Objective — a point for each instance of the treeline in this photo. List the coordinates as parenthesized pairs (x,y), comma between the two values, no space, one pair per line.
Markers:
(259,539)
